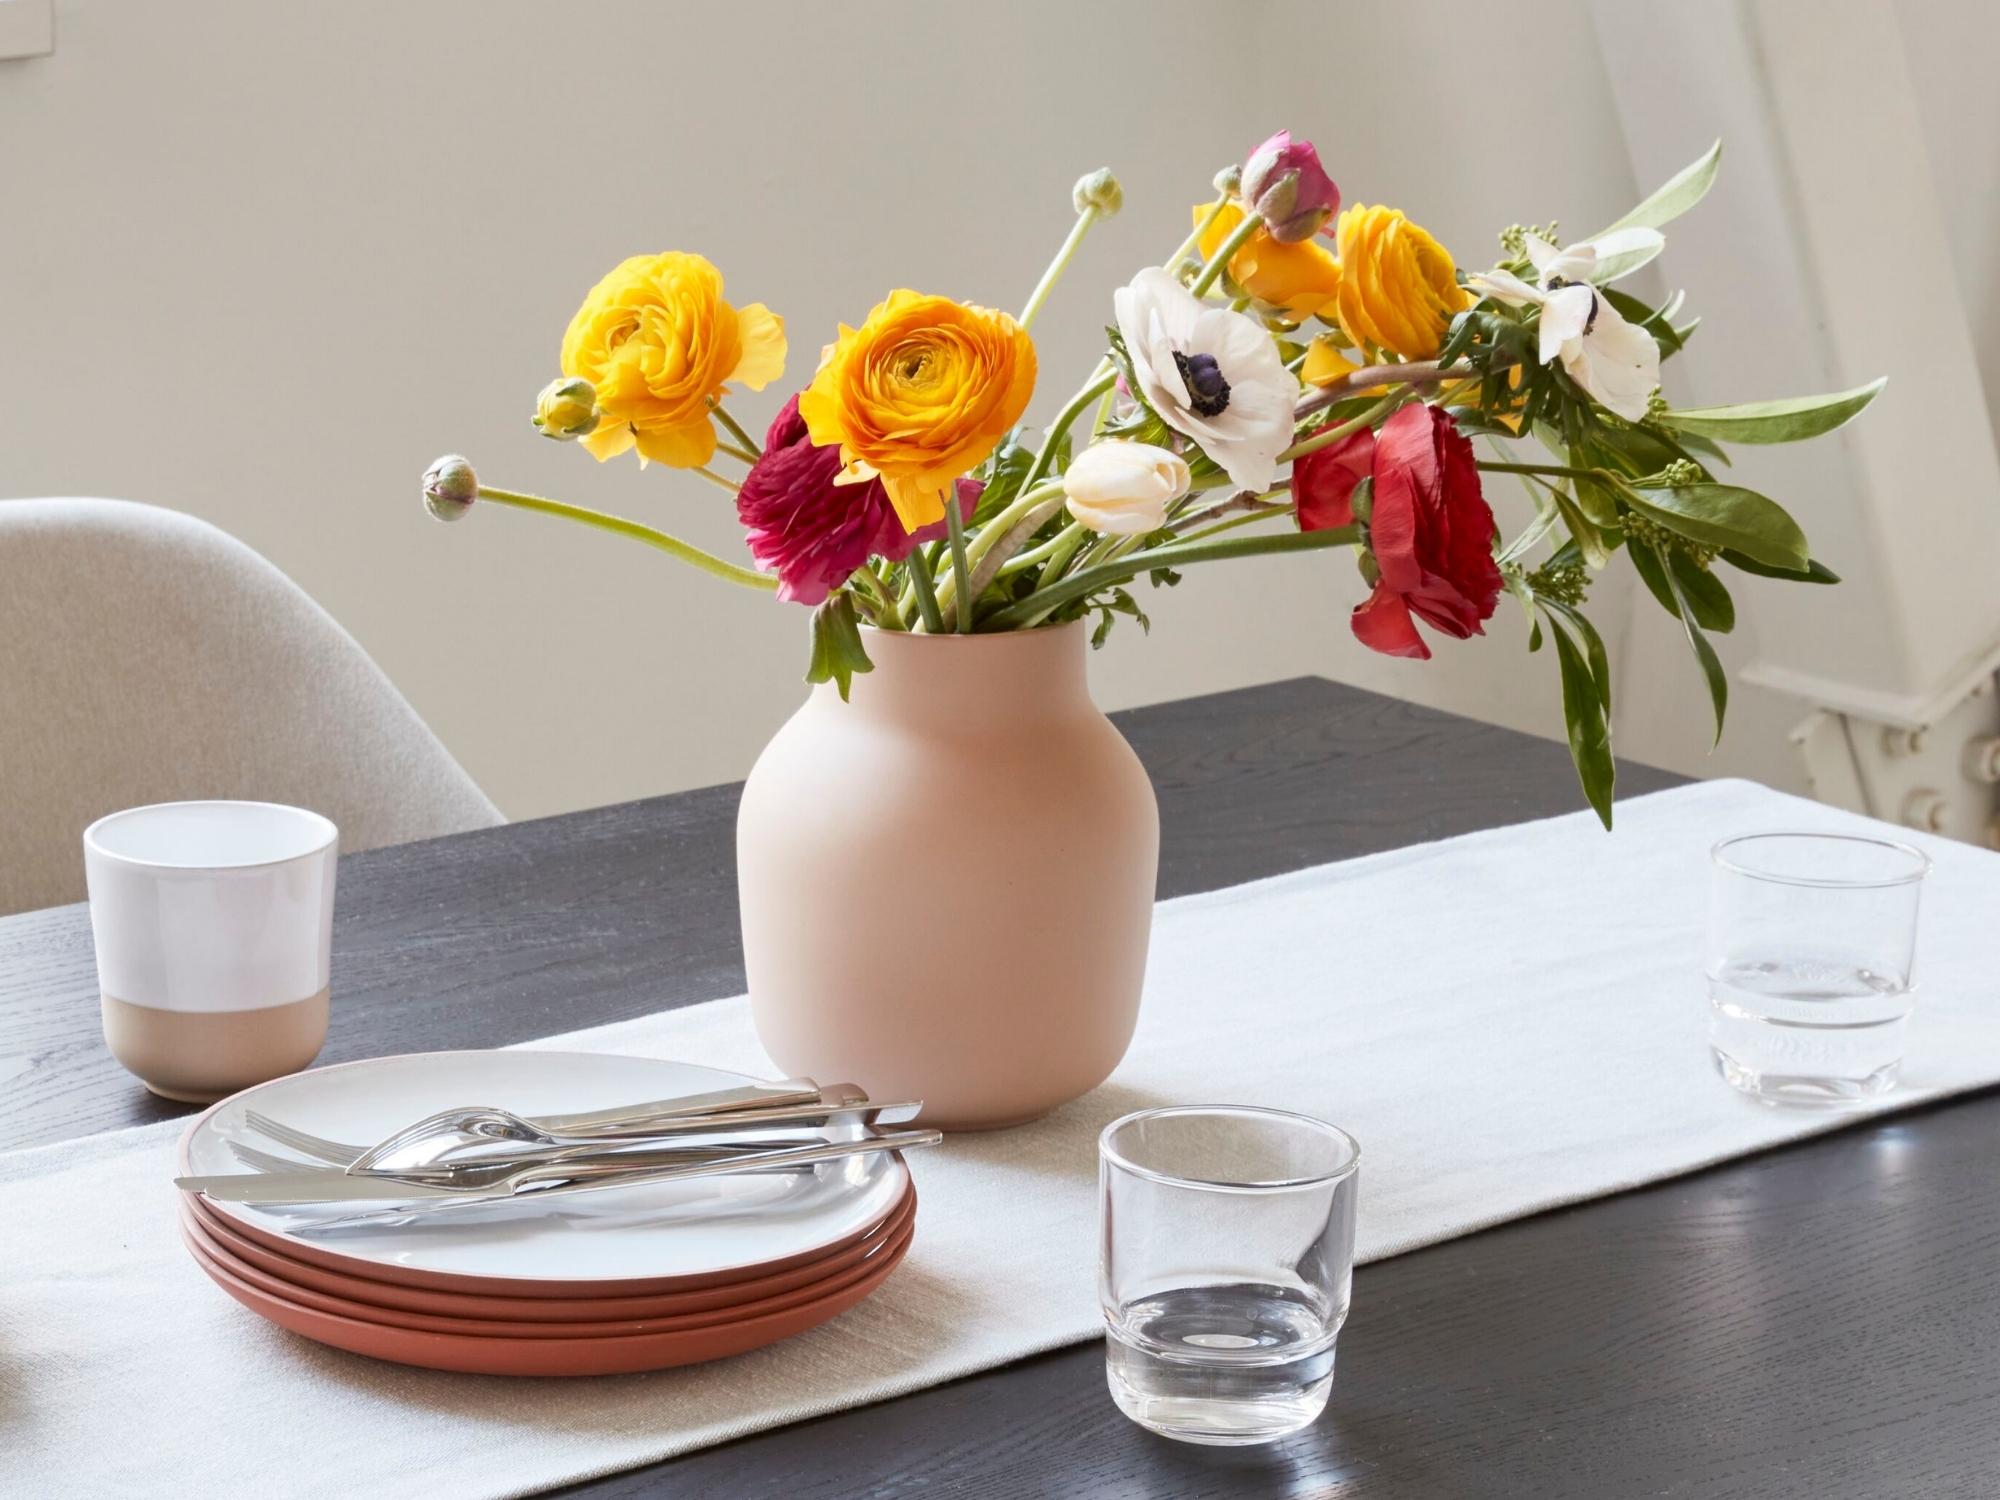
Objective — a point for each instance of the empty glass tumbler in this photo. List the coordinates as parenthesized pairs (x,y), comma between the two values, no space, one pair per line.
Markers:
(1811,951)
(1226,1263)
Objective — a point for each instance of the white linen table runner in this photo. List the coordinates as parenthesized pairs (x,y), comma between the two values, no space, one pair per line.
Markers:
(1508,1022)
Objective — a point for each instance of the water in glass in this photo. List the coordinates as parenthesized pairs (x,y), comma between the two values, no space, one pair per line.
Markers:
(1221,1364)
(1227,1265)
(1795,1030)
(1811,956)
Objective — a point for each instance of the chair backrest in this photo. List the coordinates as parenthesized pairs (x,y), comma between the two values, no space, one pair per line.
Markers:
(146,656)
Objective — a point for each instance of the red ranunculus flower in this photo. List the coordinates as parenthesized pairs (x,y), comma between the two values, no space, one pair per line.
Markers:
(1429,527)
(812,532)
(1323,481)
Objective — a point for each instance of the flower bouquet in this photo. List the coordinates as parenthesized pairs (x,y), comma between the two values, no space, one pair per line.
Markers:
(1293,376)
(946,881)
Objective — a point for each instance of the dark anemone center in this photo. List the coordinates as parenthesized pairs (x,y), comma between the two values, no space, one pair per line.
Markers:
(1208,392)
(1557,283)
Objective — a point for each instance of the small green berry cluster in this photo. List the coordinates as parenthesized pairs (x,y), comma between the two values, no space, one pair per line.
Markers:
(1640,528)
(1514,238)
(1564,583)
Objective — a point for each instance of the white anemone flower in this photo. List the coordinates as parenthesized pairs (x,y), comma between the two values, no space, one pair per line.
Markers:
(1617,362)
(1213,375)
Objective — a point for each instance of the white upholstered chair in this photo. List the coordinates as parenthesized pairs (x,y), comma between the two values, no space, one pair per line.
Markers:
(146,656)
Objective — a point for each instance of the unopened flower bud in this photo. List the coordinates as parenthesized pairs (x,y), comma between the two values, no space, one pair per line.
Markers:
(1285,184)
(566,409)
(1098,190)
(1228,180)
(450,487)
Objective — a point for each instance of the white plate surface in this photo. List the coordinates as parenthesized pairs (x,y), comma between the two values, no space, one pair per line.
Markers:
(668,1229)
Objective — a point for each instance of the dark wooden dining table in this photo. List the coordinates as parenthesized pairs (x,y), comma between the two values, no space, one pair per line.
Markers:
(1819,1320)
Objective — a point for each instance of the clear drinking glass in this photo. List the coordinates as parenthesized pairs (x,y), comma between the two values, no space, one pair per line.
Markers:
(1811,947)
(1226,1263)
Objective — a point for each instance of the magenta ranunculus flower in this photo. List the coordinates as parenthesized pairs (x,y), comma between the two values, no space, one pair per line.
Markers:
(812,532)
(1284,182)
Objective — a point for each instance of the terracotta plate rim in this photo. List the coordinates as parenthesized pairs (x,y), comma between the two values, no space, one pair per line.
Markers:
(390,1303)
(296,1248)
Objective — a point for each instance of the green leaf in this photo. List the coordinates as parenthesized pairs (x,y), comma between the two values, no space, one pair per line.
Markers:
(1589,732)
(1457,338)
(1598,501)
(1003,473)
(1789,421)
(1599,658)
(1692,443)
(1653,573)
(1713,608)
(1596,551)
(1623,263)
(837,651)
(1815,572)
(1676,196)
(1724,515)
(1711,664)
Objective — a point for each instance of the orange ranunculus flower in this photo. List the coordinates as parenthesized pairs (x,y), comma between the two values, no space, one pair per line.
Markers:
(1399,288)
(918,394)
(1302,279)
(658,342)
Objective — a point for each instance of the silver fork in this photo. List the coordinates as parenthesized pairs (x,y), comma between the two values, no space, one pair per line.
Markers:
(346,1155)
(629,1119)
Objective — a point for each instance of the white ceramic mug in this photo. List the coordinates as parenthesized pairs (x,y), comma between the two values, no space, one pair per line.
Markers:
(214,929)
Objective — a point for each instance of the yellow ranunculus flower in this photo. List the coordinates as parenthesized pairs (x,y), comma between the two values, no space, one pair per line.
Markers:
(1399,288)
(918,394)
(658,342)
(1302,278)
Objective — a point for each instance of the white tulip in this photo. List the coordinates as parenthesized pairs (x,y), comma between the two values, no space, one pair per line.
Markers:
(1122,488)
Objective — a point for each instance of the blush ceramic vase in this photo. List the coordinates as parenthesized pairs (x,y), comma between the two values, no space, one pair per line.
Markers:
(947,882)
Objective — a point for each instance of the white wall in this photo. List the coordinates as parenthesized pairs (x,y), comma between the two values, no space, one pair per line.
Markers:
(262,262)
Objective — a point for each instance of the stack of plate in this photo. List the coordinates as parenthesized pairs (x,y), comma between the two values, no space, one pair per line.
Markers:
(636,1278)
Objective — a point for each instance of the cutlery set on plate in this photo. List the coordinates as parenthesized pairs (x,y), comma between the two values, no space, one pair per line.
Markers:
(330,1203)
(481,1154)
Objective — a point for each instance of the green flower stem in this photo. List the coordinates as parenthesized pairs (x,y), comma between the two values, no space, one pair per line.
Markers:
(1057,266)
(735,452)
(887,615)
(926,591)
(1103,411)
(1248,517)
(750,444)
(1046,601)
(1563,471)
(999,538)
(961,571)
(1340,430)
(1102,379)
(718,479)
(672,545)
(1238,237)
(1193,241)
(1064,541)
